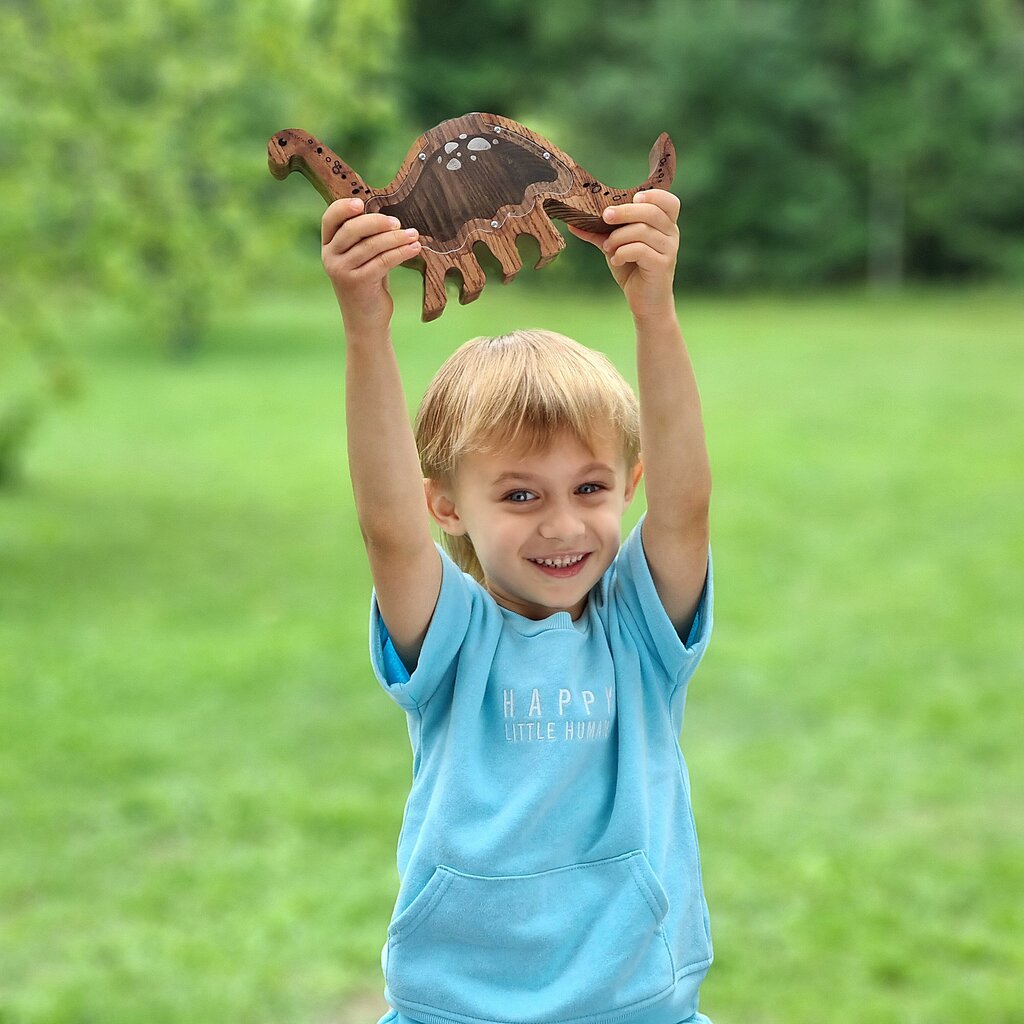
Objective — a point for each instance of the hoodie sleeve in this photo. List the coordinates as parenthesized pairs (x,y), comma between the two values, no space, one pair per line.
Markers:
(632,588)
(442,643)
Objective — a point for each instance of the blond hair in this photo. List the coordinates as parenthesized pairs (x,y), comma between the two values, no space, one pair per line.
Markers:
(517,391)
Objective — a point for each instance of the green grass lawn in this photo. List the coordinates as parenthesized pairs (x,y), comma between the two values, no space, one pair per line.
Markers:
(201,785)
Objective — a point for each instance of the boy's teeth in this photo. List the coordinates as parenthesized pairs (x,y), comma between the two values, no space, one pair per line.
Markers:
(558,563)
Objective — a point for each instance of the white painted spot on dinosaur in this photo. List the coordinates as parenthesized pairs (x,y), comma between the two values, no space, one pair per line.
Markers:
(453,164)
(463,135)
(478,145)
(450,147)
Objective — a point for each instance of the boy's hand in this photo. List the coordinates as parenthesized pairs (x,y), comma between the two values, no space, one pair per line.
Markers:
(359,250)
(641,250)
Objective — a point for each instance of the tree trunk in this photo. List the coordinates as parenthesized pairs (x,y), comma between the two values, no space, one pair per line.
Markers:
(16,423)
(189,323)
(887,201)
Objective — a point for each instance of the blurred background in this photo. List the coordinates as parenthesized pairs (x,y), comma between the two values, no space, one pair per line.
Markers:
(201,785)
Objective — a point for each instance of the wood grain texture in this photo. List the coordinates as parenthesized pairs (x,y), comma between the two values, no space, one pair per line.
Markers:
(472,179)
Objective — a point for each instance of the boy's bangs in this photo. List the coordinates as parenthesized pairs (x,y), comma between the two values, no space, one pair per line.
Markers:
(523,410)
(514,393)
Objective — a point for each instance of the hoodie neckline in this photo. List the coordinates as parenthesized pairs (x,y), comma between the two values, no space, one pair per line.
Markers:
(556,622)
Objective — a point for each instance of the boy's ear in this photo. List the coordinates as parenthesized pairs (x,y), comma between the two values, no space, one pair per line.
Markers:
(442,507)
(633,480)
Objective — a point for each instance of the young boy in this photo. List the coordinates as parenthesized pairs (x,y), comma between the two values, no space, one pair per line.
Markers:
(548,859)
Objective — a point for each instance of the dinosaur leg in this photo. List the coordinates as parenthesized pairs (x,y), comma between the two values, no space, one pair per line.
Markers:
(434,298)
(539,225)
(473,277)
(436,269)
(506,253)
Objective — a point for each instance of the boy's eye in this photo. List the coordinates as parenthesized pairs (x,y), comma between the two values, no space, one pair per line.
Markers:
(592,488)
(519,497)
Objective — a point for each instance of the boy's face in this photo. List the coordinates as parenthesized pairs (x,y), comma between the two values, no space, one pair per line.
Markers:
(525,511)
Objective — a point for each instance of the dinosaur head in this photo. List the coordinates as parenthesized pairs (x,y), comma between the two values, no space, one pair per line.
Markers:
(283,151)
(296,150)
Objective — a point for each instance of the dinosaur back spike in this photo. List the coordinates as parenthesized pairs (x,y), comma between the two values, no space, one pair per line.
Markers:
(585,208)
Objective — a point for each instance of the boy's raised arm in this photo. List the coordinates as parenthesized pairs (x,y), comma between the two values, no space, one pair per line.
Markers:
(641,254)
(359,250)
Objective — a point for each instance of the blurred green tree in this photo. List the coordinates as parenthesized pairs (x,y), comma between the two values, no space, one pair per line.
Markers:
(488,56)
(133,162)
(934,101)
(818,142)
(827,142)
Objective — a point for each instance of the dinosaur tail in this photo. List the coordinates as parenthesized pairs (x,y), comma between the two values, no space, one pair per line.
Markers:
(585,211)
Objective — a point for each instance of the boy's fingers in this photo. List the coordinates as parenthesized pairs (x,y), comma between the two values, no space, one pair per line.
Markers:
(661,241)
(358,229)
(665,201)
(639,213)
(656,212)
(641,254)
(344,224)
(596,238)
(386,243)
(395,257)
(336,214)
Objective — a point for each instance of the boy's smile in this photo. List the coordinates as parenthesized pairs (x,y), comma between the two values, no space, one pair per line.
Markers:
(545,525)
(562,566)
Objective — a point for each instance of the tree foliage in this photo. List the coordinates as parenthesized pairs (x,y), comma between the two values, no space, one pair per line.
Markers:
(134,149)
(133,160)
(818,142)
(877,139)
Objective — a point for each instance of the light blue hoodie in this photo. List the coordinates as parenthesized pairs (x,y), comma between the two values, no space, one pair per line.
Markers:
(548,859)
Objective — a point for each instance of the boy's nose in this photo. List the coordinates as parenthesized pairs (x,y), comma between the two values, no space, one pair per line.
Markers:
(563,525)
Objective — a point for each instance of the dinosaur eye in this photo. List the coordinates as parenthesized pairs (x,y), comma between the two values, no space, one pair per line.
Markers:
(282,142)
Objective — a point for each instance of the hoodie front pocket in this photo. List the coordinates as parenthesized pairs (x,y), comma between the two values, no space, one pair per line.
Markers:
(581,943)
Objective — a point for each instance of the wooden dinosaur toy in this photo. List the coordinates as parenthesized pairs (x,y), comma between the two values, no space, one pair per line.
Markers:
(475,178)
